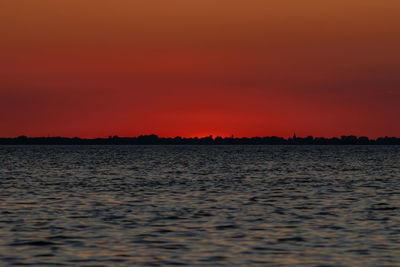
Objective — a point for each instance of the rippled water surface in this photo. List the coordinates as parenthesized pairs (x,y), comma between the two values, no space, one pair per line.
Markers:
(200,205)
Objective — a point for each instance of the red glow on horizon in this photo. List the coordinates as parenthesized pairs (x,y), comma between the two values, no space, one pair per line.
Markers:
(199,68)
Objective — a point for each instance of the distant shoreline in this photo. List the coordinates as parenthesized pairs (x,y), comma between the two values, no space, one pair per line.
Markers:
(155,140)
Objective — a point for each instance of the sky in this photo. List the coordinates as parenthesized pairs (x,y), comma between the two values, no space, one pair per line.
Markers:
(96,68)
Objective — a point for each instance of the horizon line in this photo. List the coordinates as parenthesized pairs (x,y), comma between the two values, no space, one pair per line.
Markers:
(201,137)
(153,139)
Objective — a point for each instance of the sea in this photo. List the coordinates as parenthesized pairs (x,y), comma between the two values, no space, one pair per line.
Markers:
(199,205)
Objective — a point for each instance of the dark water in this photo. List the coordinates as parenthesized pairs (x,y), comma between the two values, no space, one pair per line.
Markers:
(200,205)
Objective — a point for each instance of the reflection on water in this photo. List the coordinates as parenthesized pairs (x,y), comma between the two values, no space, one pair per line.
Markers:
(200,205)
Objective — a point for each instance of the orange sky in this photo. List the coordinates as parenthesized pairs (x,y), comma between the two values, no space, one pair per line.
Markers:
(95,68)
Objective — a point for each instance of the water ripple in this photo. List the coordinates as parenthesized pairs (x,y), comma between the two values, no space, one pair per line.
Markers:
(200,205)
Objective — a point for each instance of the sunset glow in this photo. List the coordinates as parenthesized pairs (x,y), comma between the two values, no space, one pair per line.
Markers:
(194,68)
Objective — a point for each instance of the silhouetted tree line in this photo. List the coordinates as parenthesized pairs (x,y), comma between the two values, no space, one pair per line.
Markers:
(209,140)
